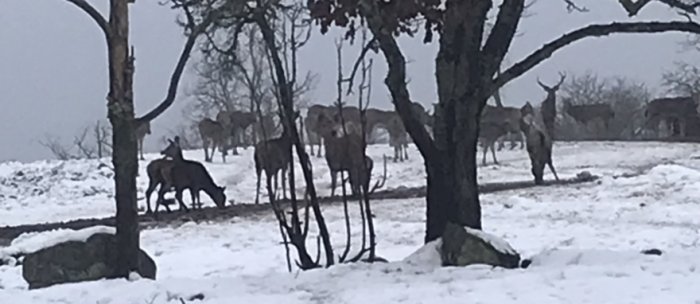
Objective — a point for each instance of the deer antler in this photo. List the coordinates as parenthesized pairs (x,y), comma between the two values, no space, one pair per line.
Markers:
(544,86)
(562,76)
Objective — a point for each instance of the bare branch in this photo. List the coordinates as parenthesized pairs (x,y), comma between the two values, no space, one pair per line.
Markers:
(95,15)
(595,30)
(196,30)
(571,6)
(501,35)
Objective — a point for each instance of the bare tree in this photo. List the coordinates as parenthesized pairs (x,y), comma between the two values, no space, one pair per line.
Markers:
(683,80)
(88,143)
(120,110)
(58,149)
(466,64)
(597,97)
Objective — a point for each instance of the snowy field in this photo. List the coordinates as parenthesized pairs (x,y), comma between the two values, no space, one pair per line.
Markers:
(584,240)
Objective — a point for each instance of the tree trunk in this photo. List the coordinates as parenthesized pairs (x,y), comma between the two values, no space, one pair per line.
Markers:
(450,158)
(120,109)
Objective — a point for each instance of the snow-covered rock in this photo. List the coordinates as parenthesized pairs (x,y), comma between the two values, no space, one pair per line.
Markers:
(463,247)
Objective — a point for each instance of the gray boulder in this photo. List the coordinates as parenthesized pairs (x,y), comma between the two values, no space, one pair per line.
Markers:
(76,261)
(463,246)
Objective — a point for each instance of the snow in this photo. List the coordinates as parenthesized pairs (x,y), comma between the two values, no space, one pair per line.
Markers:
(31,242)
(584,240)
(497,243)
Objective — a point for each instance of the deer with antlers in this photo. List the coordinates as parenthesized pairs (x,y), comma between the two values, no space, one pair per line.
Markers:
(549,106)
(587,113)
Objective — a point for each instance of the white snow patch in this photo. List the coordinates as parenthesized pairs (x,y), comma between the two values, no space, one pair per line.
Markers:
(31,242)
(428,255)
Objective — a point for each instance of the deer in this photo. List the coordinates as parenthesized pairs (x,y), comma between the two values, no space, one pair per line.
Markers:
(312,129)
(213,134)
(674,112)
(510,115)
(588,113)
(273,156)
(344,152)
(142,129)
(235,123)
(539,144)
(548,109)
(181,174)
(489,133)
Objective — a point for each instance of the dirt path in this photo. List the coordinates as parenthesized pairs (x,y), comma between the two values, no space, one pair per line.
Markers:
(8,233)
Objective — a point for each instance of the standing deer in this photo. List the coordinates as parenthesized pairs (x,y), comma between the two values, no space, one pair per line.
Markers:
(235,123)
(588,113)
(181,174)
(273,156)
(674,112)
(489,133)
(344,152)
(510,116)
(539,144)
(142,129)
(312,129)
(549,106)
(213,135)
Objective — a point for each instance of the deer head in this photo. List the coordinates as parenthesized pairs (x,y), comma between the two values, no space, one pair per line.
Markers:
(173,150)
(553,89)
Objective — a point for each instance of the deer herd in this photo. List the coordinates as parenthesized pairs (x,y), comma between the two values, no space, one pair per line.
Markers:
(342,134)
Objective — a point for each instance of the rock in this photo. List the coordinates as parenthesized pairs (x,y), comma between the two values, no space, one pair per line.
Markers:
(652,251)
(76,261)
(464,246)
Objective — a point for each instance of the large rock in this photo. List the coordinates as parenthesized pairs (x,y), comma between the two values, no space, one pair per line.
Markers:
(464,246)
(77,261)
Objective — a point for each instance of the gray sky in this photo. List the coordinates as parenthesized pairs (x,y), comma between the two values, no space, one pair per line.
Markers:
(53,73)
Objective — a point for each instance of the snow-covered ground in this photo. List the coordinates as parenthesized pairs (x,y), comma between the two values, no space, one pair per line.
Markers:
(584,240)
(48,191)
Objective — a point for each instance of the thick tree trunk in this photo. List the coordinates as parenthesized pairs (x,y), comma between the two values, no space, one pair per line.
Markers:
(120,108)
(450,158)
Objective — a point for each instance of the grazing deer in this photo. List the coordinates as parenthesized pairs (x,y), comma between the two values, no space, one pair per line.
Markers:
(273,156)
(344,152)
(235,123)
(213,135)
(181,174)
(549,105)
(539,144)
(588,113)
(674,112)
(142,129)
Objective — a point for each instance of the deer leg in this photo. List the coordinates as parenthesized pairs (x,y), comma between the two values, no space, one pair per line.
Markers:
(405,151)
(483,159)
(141,148)
(493,153)
(334,176)
(178,197)
(522,140)
(151,186)
(205,146)
(257,188)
